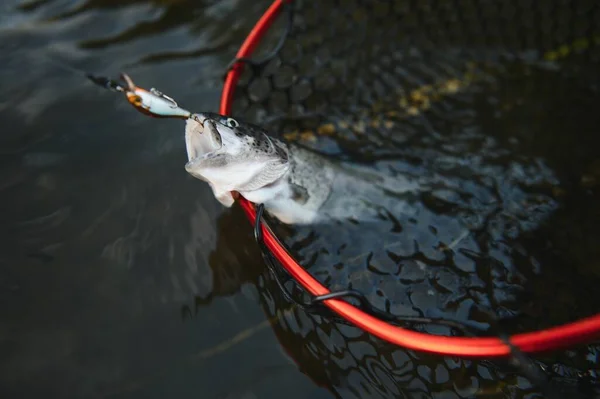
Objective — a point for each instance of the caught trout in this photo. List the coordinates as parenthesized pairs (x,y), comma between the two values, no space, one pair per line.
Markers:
(296,185)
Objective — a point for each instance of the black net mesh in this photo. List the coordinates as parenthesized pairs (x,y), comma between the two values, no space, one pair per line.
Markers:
(491,106)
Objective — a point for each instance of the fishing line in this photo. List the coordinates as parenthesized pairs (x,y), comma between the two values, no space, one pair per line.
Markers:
(101,81)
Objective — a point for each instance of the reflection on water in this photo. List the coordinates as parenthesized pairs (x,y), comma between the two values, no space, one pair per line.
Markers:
(121,276)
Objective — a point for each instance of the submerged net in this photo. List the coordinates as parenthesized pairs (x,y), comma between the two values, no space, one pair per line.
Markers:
(490,105)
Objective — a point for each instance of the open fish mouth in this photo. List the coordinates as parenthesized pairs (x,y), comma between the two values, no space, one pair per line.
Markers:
(201,137)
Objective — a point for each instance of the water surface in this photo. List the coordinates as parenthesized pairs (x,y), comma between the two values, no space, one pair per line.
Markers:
(122,277)
(105,238)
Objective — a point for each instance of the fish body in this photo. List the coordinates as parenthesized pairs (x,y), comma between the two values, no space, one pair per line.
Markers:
(296,185)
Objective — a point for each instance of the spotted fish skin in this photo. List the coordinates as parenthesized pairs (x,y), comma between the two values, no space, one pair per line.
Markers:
(296,185)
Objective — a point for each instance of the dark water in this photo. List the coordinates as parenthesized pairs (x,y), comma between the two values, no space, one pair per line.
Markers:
(122,277)
(104,236)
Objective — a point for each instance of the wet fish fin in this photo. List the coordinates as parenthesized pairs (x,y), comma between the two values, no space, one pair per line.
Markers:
(299,194)
(270,172)
(224,197)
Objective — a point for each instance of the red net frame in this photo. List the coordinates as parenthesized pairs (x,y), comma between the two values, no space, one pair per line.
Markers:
(560,337)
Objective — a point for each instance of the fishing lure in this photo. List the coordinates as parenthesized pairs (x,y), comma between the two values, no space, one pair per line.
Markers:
(150,102)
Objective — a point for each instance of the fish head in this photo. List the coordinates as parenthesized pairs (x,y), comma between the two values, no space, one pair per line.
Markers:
(233,155)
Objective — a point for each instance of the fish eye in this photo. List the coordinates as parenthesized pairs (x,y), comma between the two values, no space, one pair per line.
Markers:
(232,122)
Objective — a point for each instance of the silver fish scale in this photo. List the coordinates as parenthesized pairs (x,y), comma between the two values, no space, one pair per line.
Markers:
(313,173)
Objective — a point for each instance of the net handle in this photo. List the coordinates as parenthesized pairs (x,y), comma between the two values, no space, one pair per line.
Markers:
(560,337)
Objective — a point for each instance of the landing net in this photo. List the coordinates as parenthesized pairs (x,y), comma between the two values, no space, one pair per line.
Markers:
(375,80)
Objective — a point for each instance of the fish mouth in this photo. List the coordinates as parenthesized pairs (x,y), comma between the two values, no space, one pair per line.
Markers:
(201,137)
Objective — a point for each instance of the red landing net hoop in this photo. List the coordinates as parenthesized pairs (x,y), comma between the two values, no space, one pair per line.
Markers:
(561,337)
